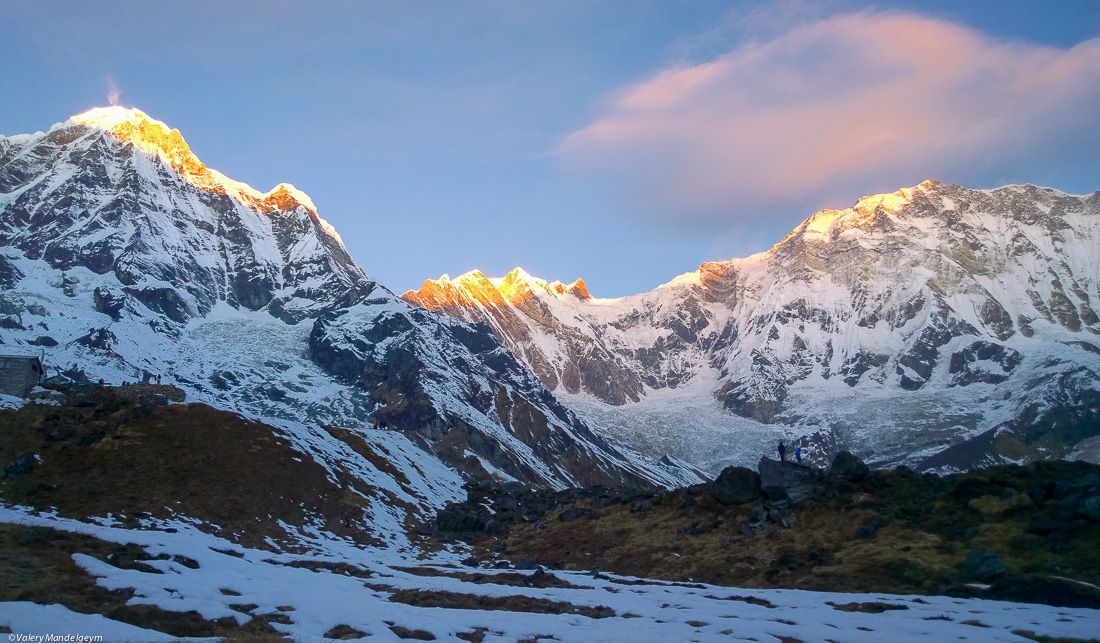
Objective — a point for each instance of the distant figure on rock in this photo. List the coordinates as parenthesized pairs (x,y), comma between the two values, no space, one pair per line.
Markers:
(782,452)
(158,379)
(798,455)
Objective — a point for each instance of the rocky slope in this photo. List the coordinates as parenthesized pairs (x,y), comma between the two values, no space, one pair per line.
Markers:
(122,255)
(1008,533)
(130,453)
(938,326)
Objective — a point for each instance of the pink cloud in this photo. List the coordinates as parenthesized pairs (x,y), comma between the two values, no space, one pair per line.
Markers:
(836,109)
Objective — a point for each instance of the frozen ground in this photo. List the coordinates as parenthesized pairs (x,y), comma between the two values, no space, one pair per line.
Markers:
(316,601)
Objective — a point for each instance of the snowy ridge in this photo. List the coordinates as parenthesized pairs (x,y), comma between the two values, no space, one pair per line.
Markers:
(904,325)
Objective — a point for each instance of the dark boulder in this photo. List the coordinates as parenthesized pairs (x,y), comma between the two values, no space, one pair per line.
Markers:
(735,485)
(848,467)
(982,566)
(1091,509)
(1082,484)
(22,466)
(868,530)
(571,514)
(797,480)
(460,519)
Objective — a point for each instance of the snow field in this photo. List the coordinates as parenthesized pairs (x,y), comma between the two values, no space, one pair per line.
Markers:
(316,601)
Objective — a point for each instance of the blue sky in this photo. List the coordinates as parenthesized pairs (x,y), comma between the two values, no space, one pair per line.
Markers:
(620,142)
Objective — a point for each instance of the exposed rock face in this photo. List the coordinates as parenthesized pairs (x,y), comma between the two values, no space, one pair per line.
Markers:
(137,258)
(983,362)
(517,310)
(426,374)
(904,323)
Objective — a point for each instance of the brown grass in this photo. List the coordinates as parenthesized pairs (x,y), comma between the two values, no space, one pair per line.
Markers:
(872,607)
(516,603)
(926,532)
(343,632)
(114,456)
(1028,634)
(538,578)
(36,565)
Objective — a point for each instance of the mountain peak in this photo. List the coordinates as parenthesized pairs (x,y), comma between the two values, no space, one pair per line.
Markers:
(475,289)
(862,214)
(893,202)
(107,118)
(131,125)
(518,284)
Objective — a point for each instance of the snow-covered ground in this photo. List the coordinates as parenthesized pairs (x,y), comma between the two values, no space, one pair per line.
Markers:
(317,601)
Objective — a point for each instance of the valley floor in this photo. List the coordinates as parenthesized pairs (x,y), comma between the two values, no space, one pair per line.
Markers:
(170,580)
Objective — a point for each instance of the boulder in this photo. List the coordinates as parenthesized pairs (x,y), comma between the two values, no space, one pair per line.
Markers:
(848,467)
(868,530)
(571,514)
(459,519)
(22,466)
(1091,509)
(735,485)
(797,480)
(982,566)
(1083,484)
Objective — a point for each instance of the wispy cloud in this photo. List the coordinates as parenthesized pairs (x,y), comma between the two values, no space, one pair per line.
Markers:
(113,91)
(838,108)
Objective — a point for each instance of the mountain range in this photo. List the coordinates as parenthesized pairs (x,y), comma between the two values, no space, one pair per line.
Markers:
(938,327)
(122,255)
(322,459)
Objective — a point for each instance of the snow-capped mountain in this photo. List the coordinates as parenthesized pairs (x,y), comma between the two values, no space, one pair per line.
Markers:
(937,326)
(122,255)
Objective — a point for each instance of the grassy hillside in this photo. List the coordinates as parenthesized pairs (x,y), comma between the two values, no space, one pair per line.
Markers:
(1023,533)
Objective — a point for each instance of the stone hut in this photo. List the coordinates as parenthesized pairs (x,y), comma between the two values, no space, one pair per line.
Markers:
(19,374)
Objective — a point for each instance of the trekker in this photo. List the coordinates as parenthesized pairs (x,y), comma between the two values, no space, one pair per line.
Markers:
(158,379)
(798,455)
(782,452)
